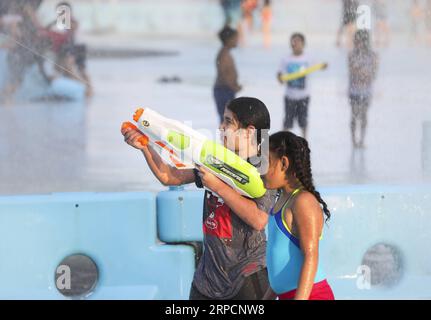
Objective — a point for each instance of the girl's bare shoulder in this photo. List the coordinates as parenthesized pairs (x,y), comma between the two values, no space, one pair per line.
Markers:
(304,202)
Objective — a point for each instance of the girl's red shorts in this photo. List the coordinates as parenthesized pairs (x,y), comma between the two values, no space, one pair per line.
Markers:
(320,291)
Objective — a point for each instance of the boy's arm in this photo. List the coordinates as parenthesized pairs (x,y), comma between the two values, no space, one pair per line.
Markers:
(309,222)
(244,208)
(166,174)
(280,71)
(279,74)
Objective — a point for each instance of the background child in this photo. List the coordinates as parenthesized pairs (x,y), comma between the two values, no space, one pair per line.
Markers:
(226,85)
(295,224)
(297,95)
(363,65)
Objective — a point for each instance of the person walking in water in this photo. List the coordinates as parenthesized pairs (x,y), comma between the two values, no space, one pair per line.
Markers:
(226,85)
(363,63)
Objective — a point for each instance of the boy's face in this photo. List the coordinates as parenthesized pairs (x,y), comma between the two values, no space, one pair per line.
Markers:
(275,178)
(232,135)
(228,131)
(233,42)
(297,45)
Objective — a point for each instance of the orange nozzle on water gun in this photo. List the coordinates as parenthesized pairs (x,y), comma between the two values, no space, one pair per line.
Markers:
(128,125)
(144,140)
(138,114)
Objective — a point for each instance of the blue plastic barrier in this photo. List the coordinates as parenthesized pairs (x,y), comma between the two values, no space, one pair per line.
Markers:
(117,230)
(396,218)
(179,215)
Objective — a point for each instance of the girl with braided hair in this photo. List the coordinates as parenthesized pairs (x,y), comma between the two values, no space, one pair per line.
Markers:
(295,224)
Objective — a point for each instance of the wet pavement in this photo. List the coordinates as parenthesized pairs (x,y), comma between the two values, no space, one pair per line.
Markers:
(62,147)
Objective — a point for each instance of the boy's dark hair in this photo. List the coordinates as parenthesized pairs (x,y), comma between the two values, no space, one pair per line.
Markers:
(286,143)
(226,34)
(251,111)
(298,35)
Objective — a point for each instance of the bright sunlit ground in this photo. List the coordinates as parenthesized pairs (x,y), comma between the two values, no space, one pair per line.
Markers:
(58,147)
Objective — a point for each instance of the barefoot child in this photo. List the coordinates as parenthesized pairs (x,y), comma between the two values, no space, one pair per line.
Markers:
(297,93)
(363,65)
(233,264)
(295,224)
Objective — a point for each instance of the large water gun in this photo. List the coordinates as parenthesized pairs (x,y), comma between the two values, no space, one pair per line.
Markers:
(184,148)
(302,73)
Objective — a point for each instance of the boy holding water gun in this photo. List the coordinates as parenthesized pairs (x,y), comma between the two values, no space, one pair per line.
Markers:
(233,263)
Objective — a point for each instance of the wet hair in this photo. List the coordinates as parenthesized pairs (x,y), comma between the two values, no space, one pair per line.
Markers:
(226,34)
(251,112)
(362,40)
(295,148)
(299,36)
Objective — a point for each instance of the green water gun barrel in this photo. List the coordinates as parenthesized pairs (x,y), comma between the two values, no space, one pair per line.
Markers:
(225,162)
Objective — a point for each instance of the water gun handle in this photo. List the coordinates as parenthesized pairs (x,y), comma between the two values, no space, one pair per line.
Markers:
(144,140)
